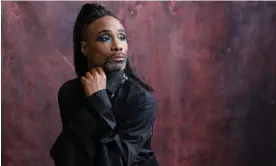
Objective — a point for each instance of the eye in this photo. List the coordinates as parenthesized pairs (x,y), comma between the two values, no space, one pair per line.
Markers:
(104,38)
(122,37)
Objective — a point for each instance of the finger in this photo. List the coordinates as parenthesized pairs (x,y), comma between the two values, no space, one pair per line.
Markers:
(83,79)
(88,75)
(100,70)
(94,71)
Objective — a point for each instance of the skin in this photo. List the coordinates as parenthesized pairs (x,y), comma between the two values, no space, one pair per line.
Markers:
(105,39)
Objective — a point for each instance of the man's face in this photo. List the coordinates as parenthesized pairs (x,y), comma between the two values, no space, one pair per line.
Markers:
(105,44)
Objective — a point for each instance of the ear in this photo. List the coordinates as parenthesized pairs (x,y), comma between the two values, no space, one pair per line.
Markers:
(84,48)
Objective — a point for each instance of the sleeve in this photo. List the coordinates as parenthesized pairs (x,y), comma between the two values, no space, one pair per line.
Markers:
(77,127)
(121,145)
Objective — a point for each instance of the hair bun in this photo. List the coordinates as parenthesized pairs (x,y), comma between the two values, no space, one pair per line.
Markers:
(92,7)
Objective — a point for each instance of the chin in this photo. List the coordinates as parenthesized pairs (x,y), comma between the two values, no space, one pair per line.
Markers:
(115,67)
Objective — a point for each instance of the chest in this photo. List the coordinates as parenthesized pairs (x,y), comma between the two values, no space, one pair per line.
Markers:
(121,100)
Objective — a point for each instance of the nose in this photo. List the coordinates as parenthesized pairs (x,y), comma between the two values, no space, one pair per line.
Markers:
(116,46)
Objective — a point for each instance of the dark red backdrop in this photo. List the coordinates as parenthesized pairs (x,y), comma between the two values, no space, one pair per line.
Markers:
(213,66)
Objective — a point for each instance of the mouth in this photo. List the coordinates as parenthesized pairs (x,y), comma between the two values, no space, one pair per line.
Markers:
(117,58)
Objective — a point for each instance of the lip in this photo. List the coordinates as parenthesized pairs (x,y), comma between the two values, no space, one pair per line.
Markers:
(117,57)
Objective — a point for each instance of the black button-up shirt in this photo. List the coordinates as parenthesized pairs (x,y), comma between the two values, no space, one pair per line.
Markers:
(112,127)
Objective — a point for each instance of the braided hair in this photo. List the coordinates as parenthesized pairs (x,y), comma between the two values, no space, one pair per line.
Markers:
(89,13)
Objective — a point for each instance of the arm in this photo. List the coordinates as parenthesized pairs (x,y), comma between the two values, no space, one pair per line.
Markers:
(77,126)
(122,144)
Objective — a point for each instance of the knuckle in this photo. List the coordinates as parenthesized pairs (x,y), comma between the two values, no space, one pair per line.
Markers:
(93,71)
(88,75)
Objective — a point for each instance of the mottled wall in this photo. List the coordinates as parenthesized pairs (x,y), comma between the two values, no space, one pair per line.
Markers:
(213,66)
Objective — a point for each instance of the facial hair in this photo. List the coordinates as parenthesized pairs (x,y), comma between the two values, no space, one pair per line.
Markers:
(111,66)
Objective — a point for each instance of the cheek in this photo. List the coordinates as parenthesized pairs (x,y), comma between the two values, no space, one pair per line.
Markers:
(99,52)
(101,49)
(125,47)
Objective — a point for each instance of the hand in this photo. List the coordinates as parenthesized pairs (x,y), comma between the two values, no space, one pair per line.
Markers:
(94,81)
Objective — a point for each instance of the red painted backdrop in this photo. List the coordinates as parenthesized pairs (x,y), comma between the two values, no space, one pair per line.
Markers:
(213,65)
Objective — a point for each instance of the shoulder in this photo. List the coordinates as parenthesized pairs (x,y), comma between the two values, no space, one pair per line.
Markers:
(137,89)
(69,88)
(139,96)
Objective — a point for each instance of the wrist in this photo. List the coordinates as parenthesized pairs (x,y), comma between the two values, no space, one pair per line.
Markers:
(93,92)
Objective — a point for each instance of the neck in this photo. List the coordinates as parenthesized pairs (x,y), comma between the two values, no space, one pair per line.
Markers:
(112,75)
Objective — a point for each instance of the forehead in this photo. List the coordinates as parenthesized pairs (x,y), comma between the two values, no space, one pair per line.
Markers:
(106,22)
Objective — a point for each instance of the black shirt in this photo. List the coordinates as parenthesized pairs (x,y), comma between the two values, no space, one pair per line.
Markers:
(112,127)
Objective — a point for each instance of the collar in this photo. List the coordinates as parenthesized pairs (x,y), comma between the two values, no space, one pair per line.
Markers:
(114,80)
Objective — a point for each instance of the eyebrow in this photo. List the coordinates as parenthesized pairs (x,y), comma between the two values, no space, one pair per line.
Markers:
(107,30)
